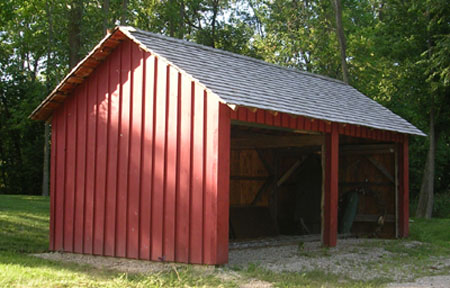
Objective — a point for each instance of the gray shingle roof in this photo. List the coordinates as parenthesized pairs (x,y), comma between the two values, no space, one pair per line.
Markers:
(249,82)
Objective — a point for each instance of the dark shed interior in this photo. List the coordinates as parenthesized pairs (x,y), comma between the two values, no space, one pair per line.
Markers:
(276,184)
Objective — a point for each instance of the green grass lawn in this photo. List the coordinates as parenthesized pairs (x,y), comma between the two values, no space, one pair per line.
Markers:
(24,230)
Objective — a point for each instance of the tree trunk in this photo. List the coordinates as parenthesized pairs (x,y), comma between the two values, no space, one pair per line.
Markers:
(46,170)
(181,21)
(213,23)
(341,39)
(75,15)
(105,8)
(425,205)
(123,18)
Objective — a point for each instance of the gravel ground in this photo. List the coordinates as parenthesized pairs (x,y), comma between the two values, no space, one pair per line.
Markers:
(425,282)
(358,259)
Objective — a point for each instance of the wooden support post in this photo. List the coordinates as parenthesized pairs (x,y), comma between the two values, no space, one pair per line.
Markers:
(330,194)
(403,191)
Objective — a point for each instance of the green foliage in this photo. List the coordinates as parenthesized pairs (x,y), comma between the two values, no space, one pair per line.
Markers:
(398,54)
(433,231)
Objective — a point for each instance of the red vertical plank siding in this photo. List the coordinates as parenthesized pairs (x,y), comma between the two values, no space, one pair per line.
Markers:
(403,191)
(91,128)
(260,116)
(216,183)
(329,233)
(223,185)
(122,169)
(147,158)
(60,164)
(80,98)
(69,188)
(251,116)
(101,153)
(134,163)
(112,155)
(159,164)
(52,184)
(140,164)
(184,171)
(196,224)
(210,197)
(171,164)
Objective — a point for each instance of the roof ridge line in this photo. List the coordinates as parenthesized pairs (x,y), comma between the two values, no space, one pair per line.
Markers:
(228,53)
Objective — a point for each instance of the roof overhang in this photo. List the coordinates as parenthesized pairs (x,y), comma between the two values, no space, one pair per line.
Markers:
(86,66)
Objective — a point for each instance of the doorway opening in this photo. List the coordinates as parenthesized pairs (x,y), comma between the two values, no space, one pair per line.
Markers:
(275,182)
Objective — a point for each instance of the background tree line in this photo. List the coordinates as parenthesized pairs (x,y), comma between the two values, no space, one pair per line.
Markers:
(395,51)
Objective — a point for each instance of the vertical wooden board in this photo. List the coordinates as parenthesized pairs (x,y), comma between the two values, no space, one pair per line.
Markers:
(260,116)
(91,131)
(101,154)
(196,225)
(277,119)
(329,234)
(80,170)
(124,133)
(211,179)
(307,125)
(301,123)
(347,130)
(403,192)
(53,183)
(363,132)
(242,114)
(184,171)
(223,188)
(171,164)
(159,162)
(285,120)
(135,151)
(60,167)
(268,117)
(112,156)
(234,114)
(251,116)
(147,158)
(69,197)
(314,125)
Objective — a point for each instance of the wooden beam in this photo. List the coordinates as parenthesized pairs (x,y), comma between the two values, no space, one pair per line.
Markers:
(367,149)
(403,191)
(374,218)
(382,169)
(249,178)
(330,194)
(262,189)
(273,141)
(275,128)
(289,172)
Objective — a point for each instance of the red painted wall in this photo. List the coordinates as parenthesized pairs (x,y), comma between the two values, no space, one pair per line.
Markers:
(140,164)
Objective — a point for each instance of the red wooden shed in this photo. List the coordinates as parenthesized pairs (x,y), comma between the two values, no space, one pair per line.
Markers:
(165,150)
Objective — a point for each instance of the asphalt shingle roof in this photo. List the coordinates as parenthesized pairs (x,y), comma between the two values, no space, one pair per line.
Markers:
(244,81)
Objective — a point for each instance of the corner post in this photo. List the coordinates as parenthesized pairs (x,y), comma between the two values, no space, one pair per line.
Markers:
(330,195)
(403,191)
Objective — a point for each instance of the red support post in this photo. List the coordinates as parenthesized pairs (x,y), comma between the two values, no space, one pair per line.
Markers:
(403,191)
(330,197)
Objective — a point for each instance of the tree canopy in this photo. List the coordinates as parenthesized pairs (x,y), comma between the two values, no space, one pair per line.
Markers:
(397,52)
